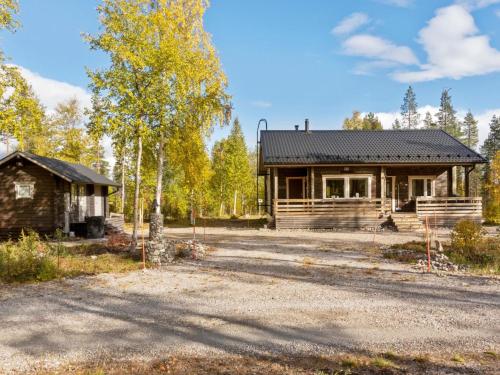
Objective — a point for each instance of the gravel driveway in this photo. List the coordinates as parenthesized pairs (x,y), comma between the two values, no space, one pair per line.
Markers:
(258,292)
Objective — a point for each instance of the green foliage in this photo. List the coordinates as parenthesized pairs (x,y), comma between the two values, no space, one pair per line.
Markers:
(8,9)
(429,123)
(396,125)
(26,260)
(356,122)
(491,144)
(492,190)
(470,130)
(470,246)
(446,117)
(409,114)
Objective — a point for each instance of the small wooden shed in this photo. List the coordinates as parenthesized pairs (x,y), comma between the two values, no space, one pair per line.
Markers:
(45,194)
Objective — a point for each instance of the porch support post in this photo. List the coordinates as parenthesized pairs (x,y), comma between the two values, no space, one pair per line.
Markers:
(382,187)
(275,183)
(312,183)
(449,175)
(467,171)
(268,191)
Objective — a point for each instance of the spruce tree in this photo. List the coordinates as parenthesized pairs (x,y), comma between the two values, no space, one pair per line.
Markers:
(446,117)
(409,110)
(470,130)
(371,122)
(396,125)
(429,123)
(491,144)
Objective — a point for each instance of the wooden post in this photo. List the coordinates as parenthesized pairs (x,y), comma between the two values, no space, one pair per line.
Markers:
(467,181)
(268,191)
(382,188)
(449,175)
(275,183)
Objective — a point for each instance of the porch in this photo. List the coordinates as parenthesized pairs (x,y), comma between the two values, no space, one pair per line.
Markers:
(367,197)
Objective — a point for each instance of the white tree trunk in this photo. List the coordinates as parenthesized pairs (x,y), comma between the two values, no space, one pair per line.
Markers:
(122,210)
(159,175)
(136,194)
(235,202)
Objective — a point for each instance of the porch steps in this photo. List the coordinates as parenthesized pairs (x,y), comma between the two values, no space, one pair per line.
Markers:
(407,222)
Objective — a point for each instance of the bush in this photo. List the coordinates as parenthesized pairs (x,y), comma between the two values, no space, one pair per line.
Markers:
(466,236)
(25,260)
(470,246)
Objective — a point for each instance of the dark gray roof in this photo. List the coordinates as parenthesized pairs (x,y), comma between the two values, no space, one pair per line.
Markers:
(75,173)
(285,147)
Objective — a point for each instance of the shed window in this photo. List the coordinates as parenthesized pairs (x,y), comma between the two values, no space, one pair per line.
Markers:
(24,190)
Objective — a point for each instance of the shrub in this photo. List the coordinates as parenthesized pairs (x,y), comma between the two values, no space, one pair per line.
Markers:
(25,260)
(466,236)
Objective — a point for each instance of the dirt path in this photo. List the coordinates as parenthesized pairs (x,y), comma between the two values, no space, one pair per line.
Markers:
(258,292)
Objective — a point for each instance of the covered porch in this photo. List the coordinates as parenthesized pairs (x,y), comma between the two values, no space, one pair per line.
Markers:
(369,196)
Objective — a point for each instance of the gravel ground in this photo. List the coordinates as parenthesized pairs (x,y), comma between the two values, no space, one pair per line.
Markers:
(259,292)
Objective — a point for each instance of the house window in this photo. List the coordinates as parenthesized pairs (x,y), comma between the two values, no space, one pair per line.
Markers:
(24,190)
(421,186)
(347,186)
(334,188)
(358,187)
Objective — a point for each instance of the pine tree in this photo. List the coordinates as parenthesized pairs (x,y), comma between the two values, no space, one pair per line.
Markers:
(371,122)
(409,110)
(446,116)
(429,123)
(470,131)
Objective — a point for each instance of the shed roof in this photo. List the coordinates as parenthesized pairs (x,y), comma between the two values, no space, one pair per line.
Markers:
(298,147)
(74,173)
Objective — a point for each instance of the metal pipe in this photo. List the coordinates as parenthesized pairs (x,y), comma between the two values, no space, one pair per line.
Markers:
(258,160)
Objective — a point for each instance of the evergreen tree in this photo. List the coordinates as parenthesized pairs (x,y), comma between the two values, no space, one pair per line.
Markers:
(470,131)
(491,144)
(409,110)
(446,117)
(396,125)
(371,122)
(429,123)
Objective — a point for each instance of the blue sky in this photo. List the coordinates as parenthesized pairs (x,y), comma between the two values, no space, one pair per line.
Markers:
(287,59)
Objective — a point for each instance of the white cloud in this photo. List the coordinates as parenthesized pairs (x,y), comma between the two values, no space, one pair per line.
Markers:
(51,92)
(476,4)
(379,49)
(497,13)
(483,118)
(454,48)
(398,3)
(261,104)
(351,23)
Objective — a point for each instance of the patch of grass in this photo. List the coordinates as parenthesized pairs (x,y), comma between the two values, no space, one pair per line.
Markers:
(491,354)
(77,265)
(383,363)
(422,358)
(391,355)
(417,246)
(458,358)
(351,362)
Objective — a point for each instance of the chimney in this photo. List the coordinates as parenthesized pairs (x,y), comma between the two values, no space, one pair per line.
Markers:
(296,128)
(307,125)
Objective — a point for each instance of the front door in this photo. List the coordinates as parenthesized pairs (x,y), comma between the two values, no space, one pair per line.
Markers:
(295,187)
(389,191)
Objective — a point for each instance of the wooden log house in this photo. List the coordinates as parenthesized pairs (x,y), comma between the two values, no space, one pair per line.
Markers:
(44,194)
(357,179)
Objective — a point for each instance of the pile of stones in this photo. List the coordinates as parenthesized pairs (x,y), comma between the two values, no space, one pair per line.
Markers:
(165,251)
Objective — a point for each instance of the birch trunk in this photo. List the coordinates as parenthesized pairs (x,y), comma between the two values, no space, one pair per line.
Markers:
(159,175)
(136,194)
(122,208)
(235,202)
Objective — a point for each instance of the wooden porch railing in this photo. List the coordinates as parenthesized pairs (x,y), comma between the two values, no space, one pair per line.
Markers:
(447,211)
(327,206)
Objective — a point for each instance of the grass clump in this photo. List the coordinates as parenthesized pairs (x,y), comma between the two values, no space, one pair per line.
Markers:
(307,261)
(458,358)
(31,259)
(383,363)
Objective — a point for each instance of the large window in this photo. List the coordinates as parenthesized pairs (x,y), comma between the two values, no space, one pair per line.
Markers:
(421,186)
(347,186)
(334,188)
(358,187)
